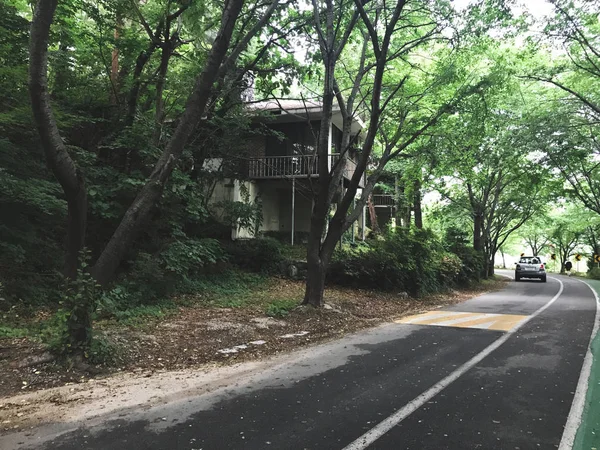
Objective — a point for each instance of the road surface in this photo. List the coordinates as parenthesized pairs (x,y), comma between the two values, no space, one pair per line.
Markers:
(497,372)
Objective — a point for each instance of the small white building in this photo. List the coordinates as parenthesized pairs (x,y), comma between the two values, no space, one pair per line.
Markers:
(282,167)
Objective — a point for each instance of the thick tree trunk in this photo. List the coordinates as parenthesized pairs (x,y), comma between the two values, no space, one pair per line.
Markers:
(318,259)
(315,282)
(141,207)
(57,157)
(417,206)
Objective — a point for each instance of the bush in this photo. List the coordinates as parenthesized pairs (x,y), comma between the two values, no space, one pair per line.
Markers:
(153,278)
(262,255)
(457,242)
(594,273)
(415,262)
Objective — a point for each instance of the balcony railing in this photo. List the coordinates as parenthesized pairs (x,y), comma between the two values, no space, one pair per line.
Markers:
(283,166)
(383,200)
(301,166)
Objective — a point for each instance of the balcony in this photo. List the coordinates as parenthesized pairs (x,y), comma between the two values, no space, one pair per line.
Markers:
(301,166)
(383,201)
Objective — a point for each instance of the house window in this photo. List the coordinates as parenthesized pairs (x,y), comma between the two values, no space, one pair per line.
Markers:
(292,139)
(336,140)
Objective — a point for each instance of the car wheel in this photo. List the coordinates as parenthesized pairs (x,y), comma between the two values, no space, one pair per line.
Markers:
(543,279)
(517,278)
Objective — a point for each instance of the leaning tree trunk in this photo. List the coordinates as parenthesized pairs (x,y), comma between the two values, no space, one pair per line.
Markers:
(373,215)
(139,211)
(57,157)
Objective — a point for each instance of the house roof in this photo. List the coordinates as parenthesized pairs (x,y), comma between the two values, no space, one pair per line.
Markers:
(298,110)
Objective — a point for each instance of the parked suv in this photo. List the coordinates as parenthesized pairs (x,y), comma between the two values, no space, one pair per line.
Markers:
(530,267)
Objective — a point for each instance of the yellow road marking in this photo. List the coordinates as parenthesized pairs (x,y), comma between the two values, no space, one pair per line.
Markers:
(498,322)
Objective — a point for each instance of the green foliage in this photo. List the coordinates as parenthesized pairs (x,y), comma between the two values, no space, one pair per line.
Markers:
(594,273)
(258,255)
(187,257)
(242,215)
(73,321)
(414,261)
(10,332)
(456,242)
(280,308)
(103,351)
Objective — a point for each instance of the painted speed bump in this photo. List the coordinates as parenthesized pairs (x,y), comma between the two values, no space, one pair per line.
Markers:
(482,321)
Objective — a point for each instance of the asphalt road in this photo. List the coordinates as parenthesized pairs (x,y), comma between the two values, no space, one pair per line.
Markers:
(497,372)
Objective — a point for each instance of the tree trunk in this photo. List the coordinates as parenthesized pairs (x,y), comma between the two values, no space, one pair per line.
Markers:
(318,258)
(114,66)
(491,263)
(134,92)
(140,209)
(373,215)
(165,56)
(477,227)
(57,157)
(315,282)
(417,206)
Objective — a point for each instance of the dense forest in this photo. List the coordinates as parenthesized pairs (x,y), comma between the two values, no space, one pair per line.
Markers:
(479,121)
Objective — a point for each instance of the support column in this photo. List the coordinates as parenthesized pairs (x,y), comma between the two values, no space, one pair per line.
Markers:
(293,207)
(364,222)
(353,223)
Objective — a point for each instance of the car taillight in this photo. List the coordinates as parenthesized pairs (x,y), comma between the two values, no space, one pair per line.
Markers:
(541,266)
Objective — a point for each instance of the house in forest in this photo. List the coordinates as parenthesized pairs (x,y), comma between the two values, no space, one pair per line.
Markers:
(279,168)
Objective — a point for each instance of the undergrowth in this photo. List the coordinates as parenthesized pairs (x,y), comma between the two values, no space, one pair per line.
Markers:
(281,307)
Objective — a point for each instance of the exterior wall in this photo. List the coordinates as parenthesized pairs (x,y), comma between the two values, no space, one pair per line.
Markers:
(302,212)
(228,190)
(276,198)
(256,146)
(252,188)
(269,196)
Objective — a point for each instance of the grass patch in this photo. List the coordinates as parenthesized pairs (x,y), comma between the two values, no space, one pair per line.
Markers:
(294,252)
(232,289)
(280,308)
(9,332)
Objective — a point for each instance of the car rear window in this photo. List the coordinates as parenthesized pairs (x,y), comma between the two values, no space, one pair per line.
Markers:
(529,260)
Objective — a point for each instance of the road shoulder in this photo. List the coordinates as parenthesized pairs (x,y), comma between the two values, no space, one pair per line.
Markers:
(588,433)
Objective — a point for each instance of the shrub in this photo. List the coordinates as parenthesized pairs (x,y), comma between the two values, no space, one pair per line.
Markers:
(412,261)
(103,351)
(262,255)
(594,273)
(457,242)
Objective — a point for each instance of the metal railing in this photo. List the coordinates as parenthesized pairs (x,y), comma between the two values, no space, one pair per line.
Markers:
(300,166)
(283,166)
(383,200)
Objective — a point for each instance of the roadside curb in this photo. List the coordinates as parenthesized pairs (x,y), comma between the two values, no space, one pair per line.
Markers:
(588,432)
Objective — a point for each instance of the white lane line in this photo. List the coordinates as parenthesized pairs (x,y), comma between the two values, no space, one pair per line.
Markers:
(386,425)
(578,405)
